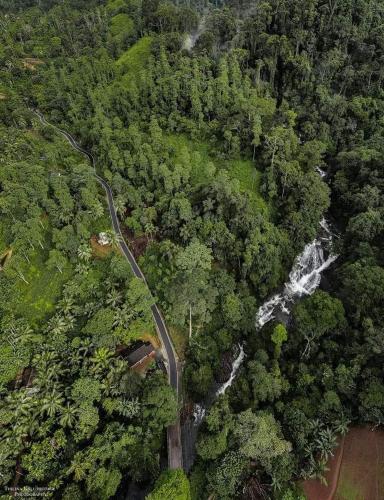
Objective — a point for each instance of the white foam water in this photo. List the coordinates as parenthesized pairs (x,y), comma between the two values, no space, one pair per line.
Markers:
(304,277)
(198,413)
(321,172)
(235,366)
(199,410)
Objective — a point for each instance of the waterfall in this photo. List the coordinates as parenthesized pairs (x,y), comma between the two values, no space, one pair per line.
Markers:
(321,172)
(235,366)
(198,414)
(303,280)
(304,277)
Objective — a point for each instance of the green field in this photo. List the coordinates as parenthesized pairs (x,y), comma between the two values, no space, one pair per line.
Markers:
(36,300)
(134,61)
(249,177)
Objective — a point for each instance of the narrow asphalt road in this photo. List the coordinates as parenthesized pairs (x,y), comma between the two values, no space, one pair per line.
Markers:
(174,441)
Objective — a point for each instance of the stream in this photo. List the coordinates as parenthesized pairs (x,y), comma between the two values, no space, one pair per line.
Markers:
(303,280)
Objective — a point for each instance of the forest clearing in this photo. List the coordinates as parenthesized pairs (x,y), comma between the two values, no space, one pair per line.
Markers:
(356,471)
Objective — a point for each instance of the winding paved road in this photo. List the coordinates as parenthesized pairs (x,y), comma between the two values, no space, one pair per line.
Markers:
(174,440)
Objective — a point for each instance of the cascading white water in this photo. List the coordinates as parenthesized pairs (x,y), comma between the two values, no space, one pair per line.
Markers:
(200,410)
(304,278)
(198,413)
(321,172)
(236,365)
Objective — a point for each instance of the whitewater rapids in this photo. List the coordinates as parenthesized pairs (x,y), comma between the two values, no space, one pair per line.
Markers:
(304,277)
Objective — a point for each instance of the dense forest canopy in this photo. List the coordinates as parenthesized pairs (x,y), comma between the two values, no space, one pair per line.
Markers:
(210,121)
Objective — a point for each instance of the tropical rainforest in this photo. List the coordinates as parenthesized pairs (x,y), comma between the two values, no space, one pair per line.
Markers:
(209,120)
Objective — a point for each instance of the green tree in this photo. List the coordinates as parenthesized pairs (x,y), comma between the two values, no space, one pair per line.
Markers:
(278,337)
(316,316)
(171,484)
(191,293)
(259,437)
(226,477)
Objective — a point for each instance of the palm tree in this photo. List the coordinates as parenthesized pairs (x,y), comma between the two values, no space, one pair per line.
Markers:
(84,252)
(89,309)
(68,416)
(326,442)
(101,359)
(119,205)
(149,229)
(43,380)
(52,403)
(57,324)
(97,210)
(82,268)
(315,425)
(44,359)
(20,404)
(317,469)
(75,359)
(113,377)
(123,316)
(276,483)
(341,425)
(114,297)
(54,372)
(28,336)
(65,218)
(61,324)
(85,347)
(128,408)
(79,467)
(14,437)
(66,305)
(114,238)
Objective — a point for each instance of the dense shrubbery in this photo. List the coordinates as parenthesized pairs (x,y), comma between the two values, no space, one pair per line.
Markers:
(212,155)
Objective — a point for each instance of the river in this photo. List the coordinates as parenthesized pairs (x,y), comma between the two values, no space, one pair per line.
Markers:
(303,280)
(304,277)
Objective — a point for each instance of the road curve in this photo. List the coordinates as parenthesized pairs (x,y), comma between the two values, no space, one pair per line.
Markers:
(174,441)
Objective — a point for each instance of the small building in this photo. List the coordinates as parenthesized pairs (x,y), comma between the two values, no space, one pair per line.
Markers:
(140,354)
(104,239)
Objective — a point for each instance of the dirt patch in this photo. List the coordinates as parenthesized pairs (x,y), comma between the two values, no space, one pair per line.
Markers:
(100,251)
(32,63)
(153,339)
(4,258)
(356,469)
(2,96)
(180,340)
(137,244)
(314,489)
(362,468)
